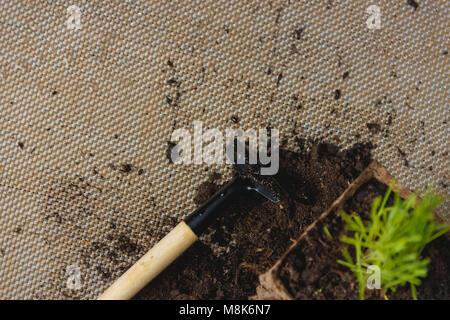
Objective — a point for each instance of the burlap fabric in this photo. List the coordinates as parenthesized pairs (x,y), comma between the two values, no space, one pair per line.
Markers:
(85,114)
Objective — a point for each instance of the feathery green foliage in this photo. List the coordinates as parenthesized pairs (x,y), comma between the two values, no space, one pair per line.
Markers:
(327,232)
(393,240)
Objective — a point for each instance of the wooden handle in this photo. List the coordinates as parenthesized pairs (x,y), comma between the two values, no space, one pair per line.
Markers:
(151,264)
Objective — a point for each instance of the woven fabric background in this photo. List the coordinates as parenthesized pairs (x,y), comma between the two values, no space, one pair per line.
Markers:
(85,115)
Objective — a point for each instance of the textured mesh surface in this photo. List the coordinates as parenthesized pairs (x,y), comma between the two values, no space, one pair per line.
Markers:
(85,115)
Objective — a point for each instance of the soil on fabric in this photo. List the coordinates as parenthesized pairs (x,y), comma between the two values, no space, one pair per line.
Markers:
(253,232)
(312,272)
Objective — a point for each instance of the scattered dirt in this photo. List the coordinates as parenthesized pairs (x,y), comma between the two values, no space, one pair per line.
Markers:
(280,76)
(126,245)
(113,250)
(337,94)
(253,232)
(403,156)
(373,127)
(126,167)
(298,33)
(413,4)
(312,271)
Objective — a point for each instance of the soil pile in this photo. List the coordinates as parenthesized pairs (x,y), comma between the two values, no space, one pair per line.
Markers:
(255,232)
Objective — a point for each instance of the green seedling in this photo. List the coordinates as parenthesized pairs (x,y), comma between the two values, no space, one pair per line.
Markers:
(327,232)
(393,240)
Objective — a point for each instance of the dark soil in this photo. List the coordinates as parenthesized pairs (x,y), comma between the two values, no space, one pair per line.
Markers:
(312,272)
(413,4)
(337,94)
(253,233)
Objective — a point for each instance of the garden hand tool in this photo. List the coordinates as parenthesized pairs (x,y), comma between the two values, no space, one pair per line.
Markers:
(247,177)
